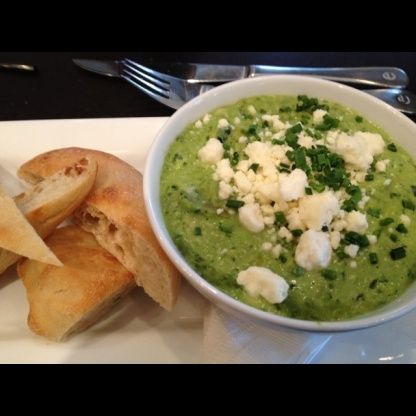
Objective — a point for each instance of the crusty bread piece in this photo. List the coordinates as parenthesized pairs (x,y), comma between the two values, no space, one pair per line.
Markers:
(114,212)
(49,203)
(66,300)
(18,236)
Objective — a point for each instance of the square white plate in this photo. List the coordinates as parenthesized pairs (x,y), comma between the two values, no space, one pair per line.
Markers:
(137,330)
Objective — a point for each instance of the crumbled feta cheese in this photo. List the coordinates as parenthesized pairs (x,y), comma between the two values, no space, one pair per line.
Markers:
(237,120)
(318,210)
(220,211)
(372,239)
(267,210)
(269,220)
(206,118)
(225,190)
(277,124)
(242,139)
(335,238)
(292,186)
(258,152)
(363,201)
(356,221)
(211,152)
(268,191)
(358,150)
(387,182)
(277,250)
(261,281)
(251,110)
(243,165)
(224,170)
(223,123)
(351,250)
(405,219)
(381,165)
(313,250)
(242,183)
(198,124)
(251,218)
(294,220)
(360,176)
(318,116)
(285,233)
(339,225)
(266,246)
(248,199)
(305,140)
(353,264)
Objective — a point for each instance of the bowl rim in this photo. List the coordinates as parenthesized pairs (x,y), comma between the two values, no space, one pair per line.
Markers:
(152,203)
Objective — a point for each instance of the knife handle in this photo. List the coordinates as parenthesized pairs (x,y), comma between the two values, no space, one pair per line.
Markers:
(389,77)
(402,100)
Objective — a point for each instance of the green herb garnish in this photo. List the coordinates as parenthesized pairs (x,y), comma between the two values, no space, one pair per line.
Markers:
(234,203)
(408,204)
(197,231)
(254,167)
(398,253)
(401,228)
(329,274)
(386,221)
(392,147)
(373,258)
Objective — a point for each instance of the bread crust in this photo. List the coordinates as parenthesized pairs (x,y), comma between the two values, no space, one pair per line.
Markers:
(66,300)
(117,199)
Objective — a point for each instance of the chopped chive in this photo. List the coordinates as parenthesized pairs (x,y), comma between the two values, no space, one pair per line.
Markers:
(197,231)
(393,237)
(308,191)
(358,119)
(298,271)
(413,189)
(227,229)
(283,258)
(374,212)
(408,204)
(398,253)
(352,237)
(329,274)
(265,124)
(297,233)
(280,218)
(392,147)
(386,221)
(328,123)
(284,165)
(373,258)
(254,167)
(252,130)
(318,187)
(235,159)
(401,228)
(234,203)
(369,177)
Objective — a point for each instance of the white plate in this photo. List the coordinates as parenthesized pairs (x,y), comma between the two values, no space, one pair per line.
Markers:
(138,331)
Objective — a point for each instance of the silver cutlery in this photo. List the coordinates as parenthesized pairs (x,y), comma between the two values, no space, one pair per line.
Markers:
(175,92)
(18,67)
(389,77)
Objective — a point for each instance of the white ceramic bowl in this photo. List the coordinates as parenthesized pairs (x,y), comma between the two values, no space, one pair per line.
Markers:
(401,129)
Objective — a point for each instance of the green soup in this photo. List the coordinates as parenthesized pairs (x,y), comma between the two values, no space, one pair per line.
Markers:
(209,234)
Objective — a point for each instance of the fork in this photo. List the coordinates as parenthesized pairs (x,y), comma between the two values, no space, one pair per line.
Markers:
(175,92)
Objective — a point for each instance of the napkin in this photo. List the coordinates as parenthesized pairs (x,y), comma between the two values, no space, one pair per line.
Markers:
(231,339)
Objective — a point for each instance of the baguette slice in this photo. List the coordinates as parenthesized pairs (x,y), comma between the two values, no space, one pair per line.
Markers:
(18,236)
(114,212)
(50,202)
(66,300)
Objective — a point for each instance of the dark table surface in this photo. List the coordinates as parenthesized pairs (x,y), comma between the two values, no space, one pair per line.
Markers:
(60,90)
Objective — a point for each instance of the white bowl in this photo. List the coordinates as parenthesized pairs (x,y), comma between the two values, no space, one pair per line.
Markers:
(401,129)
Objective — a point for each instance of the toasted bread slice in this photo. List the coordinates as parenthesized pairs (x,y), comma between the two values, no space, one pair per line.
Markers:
(114,212)
(18,236)
(50,202)
(66,300)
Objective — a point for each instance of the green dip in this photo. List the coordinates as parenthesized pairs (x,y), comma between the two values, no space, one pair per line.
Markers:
(218,247)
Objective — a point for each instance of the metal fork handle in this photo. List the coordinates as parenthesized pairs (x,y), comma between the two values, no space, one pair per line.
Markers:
(389,77)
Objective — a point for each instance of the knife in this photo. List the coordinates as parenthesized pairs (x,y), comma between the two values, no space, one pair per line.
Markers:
(19,67)
(389,77)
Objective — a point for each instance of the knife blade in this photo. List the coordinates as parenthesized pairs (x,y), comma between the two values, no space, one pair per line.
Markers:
(388,77)
(19,67)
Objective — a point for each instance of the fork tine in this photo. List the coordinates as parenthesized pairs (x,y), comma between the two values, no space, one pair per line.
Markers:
(152,79)
(160,76)
(155,89)
(157,97)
